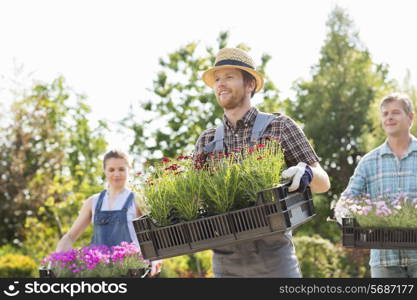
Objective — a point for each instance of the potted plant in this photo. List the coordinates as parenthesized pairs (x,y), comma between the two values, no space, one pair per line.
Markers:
(124,260)
(194,204)
(386,222)
(186,188)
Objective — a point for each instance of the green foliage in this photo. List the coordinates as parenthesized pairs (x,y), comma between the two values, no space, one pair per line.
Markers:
(181,106)
(408,88)
(320,224)
(9,249)
(355,262)
(50,153)
(334,105)
(197,265)
(182,188)
(319,258)
(17,265)
(42,233)
(236,179)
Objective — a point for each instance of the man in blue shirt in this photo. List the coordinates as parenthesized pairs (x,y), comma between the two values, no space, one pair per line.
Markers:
(388,170)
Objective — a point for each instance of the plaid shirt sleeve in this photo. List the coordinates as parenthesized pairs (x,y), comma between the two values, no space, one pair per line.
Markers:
(295,144)
(357,183)
(206,137)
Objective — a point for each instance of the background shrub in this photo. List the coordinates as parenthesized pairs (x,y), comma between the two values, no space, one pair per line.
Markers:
(17,265)
(197,265)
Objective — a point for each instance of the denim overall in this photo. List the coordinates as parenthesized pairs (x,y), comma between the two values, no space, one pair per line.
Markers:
(110,226)
(267,257)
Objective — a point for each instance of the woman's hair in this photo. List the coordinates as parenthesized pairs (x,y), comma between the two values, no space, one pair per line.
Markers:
(115,154)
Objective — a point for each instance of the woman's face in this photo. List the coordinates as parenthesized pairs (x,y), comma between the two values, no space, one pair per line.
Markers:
(116,172)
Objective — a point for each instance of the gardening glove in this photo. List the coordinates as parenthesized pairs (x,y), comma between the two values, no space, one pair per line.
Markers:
(301,175)
(156,267)
(340,210)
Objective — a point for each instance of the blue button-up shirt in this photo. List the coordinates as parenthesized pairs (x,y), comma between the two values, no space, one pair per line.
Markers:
(378,173)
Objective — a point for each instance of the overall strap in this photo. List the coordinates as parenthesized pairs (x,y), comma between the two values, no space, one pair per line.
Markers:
(100,201)
(216,145)
(261,123)
(128,201)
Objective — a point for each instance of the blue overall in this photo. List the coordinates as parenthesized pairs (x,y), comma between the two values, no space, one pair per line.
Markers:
(267,257)
(110,226)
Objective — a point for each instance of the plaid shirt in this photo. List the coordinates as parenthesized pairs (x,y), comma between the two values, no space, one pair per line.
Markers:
(292,139)
(378,173)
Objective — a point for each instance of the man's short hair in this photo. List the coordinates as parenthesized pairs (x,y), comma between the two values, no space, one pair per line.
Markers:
(404,99)
(247,78)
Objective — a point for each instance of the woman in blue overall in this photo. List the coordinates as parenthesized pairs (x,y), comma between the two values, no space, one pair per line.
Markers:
(111,211)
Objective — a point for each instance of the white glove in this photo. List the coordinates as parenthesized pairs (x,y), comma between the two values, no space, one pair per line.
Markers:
(156,267)
(295,172)
(341,210)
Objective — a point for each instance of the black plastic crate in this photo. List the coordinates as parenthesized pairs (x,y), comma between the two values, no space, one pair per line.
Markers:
(355,236)
(276,211)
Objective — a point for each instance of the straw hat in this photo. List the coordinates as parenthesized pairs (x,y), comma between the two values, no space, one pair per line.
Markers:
(233,58)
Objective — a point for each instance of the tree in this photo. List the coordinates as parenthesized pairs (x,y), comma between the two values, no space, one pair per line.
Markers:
(334,105)
(47,143)
(181,106)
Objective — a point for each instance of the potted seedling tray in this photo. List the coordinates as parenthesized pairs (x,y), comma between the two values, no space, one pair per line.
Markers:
(131,273)
(277,211)
(355,236)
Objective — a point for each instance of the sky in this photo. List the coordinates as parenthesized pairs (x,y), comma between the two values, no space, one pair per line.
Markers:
(109,50)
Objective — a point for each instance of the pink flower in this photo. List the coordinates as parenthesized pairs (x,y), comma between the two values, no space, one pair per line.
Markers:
(366,210)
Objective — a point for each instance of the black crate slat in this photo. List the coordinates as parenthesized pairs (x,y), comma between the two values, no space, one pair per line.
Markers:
(355,236)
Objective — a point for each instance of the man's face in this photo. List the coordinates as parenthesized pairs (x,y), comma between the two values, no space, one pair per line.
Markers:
(229,87)
(394,119)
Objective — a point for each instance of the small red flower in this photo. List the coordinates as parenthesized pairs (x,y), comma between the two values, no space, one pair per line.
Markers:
(172,167)
(260,146)
(165,160)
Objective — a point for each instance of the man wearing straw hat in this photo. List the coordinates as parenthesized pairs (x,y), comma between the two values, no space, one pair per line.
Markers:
(234,81)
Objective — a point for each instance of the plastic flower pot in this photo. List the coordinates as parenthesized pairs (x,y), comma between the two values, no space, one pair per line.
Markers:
(277,211)
(355,236)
